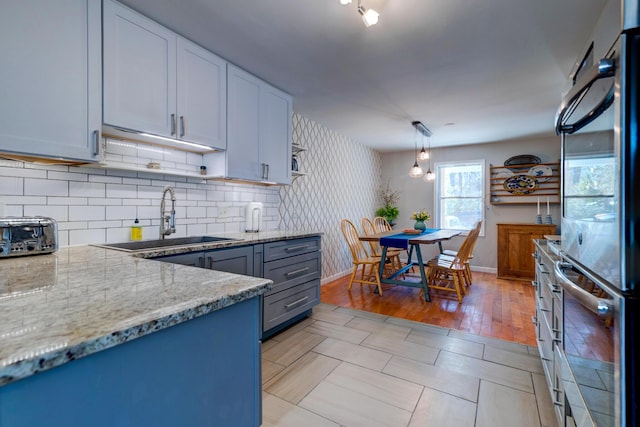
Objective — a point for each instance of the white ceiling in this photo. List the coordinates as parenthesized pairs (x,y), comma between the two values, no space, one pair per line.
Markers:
(472,71)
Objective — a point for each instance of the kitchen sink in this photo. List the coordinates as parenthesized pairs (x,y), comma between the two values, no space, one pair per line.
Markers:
(163,243)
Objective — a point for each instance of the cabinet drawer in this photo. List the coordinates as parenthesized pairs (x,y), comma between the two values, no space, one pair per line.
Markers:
(292,271)
(282,306)
(287,248)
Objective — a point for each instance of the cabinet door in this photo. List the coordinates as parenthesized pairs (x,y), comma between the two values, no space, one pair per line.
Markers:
(243,125)
(193,259)
(50,78)
(202,96)
(275,134)
(139,72)
(515,247)
(234,260)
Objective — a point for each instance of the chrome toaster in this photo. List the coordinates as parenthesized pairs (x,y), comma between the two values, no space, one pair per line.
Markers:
(27,236)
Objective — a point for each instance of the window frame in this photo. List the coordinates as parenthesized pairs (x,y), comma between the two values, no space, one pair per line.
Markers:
(439,167)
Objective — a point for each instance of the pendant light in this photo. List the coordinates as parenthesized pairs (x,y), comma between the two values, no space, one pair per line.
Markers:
(416,170)
(429,176)
(424,154)
(369,16)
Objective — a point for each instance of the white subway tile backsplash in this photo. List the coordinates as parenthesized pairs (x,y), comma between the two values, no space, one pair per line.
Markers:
(86,213)
(105,179)
(59,213)
(87,189)
(86,236)
(77,225)
(21,172)
(195,194)
(122,190)
(67,176)
(78,201)
(196,212)
(196,229)
(10,185)
(121,212)
(45,187)
(99,201)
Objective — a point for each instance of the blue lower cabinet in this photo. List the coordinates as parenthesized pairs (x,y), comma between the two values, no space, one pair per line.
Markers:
(202,372)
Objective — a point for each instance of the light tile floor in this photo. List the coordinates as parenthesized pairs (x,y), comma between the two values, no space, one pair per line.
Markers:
(344,367)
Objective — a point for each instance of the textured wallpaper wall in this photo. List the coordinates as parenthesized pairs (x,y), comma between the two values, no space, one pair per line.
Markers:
(342,181)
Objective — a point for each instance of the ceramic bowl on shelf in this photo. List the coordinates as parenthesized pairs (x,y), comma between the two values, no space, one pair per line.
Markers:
(520,184)
(541,172)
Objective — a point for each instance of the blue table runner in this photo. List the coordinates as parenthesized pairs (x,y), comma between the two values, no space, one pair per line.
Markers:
(401,240)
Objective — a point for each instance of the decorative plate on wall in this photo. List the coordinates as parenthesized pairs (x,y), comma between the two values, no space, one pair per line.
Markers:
(541,173)
(520,184)
(515,163)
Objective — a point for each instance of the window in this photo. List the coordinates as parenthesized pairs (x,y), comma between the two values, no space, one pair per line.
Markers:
(459,194)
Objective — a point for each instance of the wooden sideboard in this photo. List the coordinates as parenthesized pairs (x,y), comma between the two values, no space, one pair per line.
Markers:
(515,249)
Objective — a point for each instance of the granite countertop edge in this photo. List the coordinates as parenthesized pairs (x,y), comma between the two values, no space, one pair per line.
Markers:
(40,355)
(57,357)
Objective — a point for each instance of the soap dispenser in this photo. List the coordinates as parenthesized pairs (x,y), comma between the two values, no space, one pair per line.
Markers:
(136,230)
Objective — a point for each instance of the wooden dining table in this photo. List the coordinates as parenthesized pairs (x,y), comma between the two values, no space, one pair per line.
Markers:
(398,239)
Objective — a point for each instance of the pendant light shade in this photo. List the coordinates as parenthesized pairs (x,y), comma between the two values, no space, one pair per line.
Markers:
(415,171)
(429,176)
(424,155)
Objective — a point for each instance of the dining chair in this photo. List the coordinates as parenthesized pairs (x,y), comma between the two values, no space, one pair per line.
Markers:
(447,273)
(393,255)
(380,224)
(468,278)
(361,259)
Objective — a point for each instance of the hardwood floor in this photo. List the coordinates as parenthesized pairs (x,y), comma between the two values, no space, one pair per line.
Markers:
(492,307)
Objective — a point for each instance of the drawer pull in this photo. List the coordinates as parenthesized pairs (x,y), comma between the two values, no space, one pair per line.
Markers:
(546,310)
(295,248)
(296,273)
(295,303)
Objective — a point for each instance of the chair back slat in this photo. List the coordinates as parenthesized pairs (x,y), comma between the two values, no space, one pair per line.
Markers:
(466,248)
(380,224)
(369,230)
(352,237)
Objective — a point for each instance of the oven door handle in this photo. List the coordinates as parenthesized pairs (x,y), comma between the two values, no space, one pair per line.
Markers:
(604,68)
(600,306)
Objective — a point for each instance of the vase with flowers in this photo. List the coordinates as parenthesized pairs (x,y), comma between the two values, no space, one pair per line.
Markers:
(420,218)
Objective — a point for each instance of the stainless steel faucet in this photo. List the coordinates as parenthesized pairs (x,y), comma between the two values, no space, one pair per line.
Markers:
(167,222)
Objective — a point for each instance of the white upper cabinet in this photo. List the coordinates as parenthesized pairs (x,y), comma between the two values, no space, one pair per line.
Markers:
(50,78)
(159,83)
(259,130)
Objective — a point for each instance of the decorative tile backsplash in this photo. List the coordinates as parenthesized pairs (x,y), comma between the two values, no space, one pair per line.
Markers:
(95,205)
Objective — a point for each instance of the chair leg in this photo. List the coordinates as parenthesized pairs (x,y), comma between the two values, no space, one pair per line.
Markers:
(458,284)
(353,276)
(375,268)
(467,269)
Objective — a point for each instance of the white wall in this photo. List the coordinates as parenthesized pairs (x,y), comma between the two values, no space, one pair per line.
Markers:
(417,194)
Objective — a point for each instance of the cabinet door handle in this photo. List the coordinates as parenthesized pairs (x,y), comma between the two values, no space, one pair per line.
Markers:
(295,248)
(295,303)
(183,130)
(267,171)
(296,273)
(96,142)
(201,262)
(173,124)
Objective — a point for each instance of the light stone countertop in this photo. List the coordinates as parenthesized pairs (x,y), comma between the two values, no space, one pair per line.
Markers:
(59,307)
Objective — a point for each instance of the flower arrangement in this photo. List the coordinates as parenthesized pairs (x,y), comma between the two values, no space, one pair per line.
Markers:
(389,199)
(423,215)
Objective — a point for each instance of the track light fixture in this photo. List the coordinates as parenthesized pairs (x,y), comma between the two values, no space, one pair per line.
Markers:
(369,16)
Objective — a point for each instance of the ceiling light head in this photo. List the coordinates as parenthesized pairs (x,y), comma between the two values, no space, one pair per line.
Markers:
(416,171)
(424,155)
(429,176)
(369,16)
(344,2)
